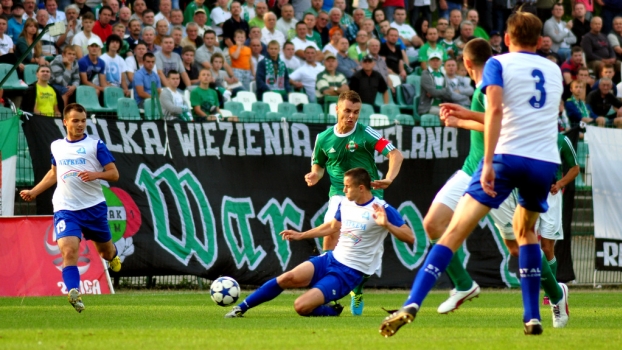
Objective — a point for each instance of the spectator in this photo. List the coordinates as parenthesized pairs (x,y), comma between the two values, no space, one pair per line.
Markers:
(26,38)
(15,25)
(406,32)
(204,100)
(41,98)
(431,47)
(435,88)
(256,55)
(191,67)
(301,42)
(370,29)
(393,54)
(287,21)
(65,73)
(167,60)
(148,18)
(125,15)
(177,35)
(546,50)
(209,47)
(241,59)
(6,43)
(248,10)
(466,34)
(356,26)
(580,24)
(346,65)
(390,7)
(118,30)
(192,35)
(260,9)
(421,27)
(72,26)
(92,68)
(149,35)
(192,7)
(48,42)
(311,33)
(460,85)
(200,19)
(29,9)
(421,7)
(143,79)
(449,44)
(114,6)
(335,34)
(441,25)
(372,5)
(380,65)
(596,46)
(609,10)
(358,50)
(226,83)
(234,24)
(177,20)
(135,62)
(116,69)
(316,7)
(496,43)
(378,16)
(346,19)
(572,65)
(255,33)
(272,73)
(615,37)
(134,36)
(602,101)
(165,12)
(368,83)
(54,15)
(172,100)
(83,8)
(102,26)
(270,31)
(162,30)
(306,74)
(606,71)
(288,56)
(330,82)
(478,32)
(334,16)
(455,20)
(219,15)
(560,32)
(576,109)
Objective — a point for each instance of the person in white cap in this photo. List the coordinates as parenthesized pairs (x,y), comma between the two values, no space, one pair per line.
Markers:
(92,68)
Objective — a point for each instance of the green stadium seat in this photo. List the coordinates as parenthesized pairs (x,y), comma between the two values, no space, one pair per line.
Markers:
(404,119)
(236,108)
(87,97)
(379,120)
(151,112)
(366,111)
(390,111)
(13,83)
(112,94)
(261,110)
(287,109)
(127,109)
(273,117)
(380,99)
(313,110)
(400,100)
(415,81)
(298,118)
(247,116)
(30,73)
(430,120)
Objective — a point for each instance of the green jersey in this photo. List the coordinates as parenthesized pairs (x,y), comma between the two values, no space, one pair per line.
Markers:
(426,50)
(338,153)
(566,153)
(476,151)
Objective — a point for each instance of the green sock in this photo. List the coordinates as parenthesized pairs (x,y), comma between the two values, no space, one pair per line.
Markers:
(359,289)
(553,266)
(549,282)
(458,275)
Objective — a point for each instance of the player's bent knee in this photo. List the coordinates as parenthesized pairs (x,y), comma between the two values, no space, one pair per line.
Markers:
(512,246)
(433,228)
(302,307)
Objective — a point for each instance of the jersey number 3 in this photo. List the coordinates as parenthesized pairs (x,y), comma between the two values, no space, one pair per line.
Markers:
(538,102)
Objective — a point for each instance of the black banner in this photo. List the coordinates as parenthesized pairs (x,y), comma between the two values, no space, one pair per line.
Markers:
(608,254)
(209,199)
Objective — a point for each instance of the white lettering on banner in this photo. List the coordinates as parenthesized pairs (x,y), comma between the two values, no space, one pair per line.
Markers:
(209,140)
(240,129)
(287,148)
(610,252)
(197,128)
(153,143)
(103,124)
(418,143)
(186,140)
(250,139)
(304,142)
(128,143)
(227,149)
(86,287)
(116,213)
(272,141)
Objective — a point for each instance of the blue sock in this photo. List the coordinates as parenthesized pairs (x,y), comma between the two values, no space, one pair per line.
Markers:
(323,310)
(267,292)
(71,277)
(435,264)
(529,264)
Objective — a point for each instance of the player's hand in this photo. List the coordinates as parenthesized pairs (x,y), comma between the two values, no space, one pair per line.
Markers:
(380,215)
(27,195)
(87,176)
(451,122)
(452,110)
(291,235)
(488,180)
(555,188)
(311,179)
(381,184)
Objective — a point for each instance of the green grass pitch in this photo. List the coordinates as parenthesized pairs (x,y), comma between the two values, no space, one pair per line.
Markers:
(190,320)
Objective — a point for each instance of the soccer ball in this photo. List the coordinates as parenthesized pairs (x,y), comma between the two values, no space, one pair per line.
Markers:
(225,291)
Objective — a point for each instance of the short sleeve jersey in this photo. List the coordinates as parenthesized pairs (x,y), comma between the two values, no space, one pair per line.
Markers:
(205,98)
(70,158)
(567,154)
(532,90)
(476,151)
(45,100)
(338,153)
(426,50)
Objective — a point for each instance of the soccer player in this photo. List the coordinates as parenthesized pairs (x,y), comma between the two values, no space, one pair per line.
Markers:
(347,145)
(363,221)
(79,163)
(520,130)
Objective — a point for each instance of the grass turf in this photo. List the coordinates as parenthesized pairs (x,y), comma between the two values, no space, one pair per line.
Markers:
(188,320)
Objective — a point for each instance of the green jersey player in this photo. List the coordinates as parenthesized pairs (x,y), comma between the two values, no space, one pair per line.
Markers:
(345,146)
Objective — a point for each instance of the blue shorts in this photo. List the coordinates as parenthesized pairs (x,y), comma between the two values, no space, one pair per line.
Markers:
(533,179)
(333,278)
(92,222)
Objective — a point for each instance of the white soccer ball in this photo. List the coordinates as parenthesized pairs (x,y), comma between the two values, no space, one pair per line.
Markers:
(225,291)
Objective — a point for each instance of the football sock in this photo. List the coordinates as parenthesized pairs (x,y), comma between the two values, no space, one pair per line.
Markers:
(435,264)
(323,310)
(267,292)
(458,275)
(71,277)
(549,283)
(553,265)
(530,264)
(359,289)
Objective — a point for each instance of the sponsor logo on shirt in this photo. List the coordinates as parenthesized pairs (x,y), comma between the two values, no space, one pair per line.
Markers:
(79,161)
(348,234)
(366,215)
(81,150)
(352,146)
(69,174)
(331,150)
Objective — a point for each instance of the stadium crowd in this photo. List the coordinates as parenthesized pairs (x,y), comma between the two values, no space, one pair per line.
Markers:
(318,47)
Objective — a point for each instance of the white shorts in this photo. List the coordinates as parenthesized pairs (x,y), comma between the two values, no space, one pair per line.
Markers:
(504,216)
(549,224)
(333,204)
(453,190)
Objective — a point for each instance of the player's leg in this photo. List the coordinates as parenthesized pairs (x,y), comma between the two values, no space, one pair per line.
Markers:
(95,227)
(68,234)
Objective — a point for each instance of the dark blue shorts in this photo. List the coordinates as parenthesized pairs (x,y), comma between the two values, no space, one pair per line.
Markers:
(91,222)
(333,278)
(533,179)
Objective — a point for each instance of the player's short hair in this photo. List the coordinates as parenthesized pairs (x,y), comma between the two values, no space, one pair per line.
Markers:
(359,176)
(349,95)
(524,29)
(73,107)
(478,51)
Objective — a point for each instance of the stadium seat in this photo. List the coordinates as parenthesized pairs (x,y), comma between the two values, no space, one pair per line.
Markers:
(395,79)
(418,71)
(261,109)
(332,109)
(400,100)
(87,97)
(328,102)
(30,73)
(404,119)
(253,87)
(298,98)
(273,117)
(313,110)
(430,120)
(235,107)
(127,109)
(415,81)
(379,120)
(13,83)
(330,119)
(247,116)
(287,109)
(380,99)
(151,112)
(273,99)
(298,118)
(366,111)
(226,113)
(246,98)
(112,94)
(390,110)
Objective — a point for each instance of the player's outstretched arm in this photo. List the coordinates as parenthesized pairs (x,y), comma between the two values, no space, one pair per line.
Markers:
(316,174)
(48,181)
(568,178)
(403,233)
(324,229)
(395,163)
(110,173)
(454,122)
(456,110)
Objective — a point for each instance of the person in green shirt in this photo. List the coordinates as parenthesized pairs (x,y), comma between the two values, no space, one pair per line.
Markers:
(203,99)
(260,10)
(193,6)
(478,31)
(430,47)
(345,146)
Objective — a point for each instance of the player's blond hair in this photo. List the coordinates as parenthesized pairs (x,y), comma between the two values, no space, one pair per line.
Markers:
(524,29)
(349,95)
